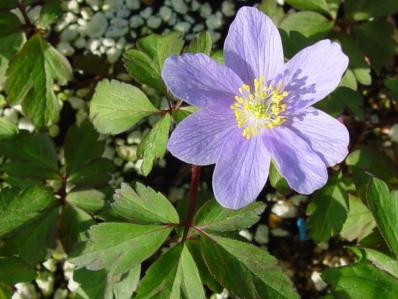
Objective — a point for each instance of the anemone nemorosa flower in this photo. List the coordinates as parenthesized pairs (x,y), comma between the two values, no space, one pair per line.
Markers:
(257,108)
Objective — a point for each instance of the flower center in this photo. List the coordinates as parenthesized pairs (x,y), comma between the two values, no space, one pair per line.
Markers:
(260,108)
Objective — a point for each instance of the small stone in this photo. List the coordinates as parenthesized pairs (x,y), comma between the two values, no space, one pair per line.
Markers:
(70,33)
(284,209)
(25,124)
(154,22)
(198,28)
(113,55)
(319,284)
(94,4)
(179,6)
(97,25)
(165,13)
(86,13)
(394,133)
(136,21)
(118,22)
(279,232)
(66,48)
(73,6)
(228,8)
(182,27)
(374,119)
(50,265)
(189,19)
(25,291)
(214,21)
(134,137)
(246,234)
(205,10)
(80,43)
(45,282)
(262,234)
(109,153)
(146,13)
(67,19)
(123,12)
(94,44)
(133,4)
(195,5)
(60,294)
(112,4)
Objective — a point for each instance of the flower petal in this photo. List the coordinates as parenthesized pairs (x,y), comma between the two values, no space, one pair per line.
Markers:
(326,136)
(303,169)
(200,81)
(198,139)
(253,46)
(241,171)
(313,73)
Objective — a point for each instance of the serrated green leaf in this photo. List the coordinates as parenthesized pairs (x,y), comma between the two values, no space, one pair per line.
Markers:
(351,99)
(213,217)
(160,47)
(9,23)
(361,281)
(95,173)
(245,270)
(30,78)
(384,206)
(117,106)
(90,200)
(35,158)
(359,223)
(32,243)
(174,275)
(318,5)
(378,259)
(7,129)
(14,270)
(100,285)
(370,35)
(365,9)
(19,207)
(307,23)
(110,246)
(82,146)
(363,158)
(153,145)
(331,208)
(9,46)
(392,85)
(201,44)
(144,205)
(50,13)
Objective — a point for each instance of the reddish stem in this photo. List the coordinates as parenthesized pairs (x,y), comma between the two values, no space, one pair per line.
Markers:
(192,200)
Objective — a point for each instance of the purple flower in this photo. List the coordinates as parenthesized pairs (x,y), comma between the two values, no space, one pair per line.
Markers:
(256,108)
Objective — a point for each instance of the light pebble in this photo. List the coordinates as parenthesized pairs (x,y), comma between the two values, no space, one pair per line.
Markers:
(246,234)
(319,284)
(94,4)
(70,33)
(113,55)
(97,25)
(228,8)
(394,133)
(279,232)
(146,13)
(262,234)
(165,13)
(25,124)
(214,21)
(133,4)
(182,27)
(284,209)
(205,10)
(136,21)
(179,6)
(154,22)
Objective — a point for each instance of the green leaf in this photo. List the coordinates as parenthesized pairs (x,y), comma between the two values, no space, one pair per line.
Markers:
(361,281)
(277,181)
(245,270)
(143,69)
(384,206)
(117,106)
(364,158)
(9,23)
(144,205)
(82,146)
(349,80)
(183,112)
(7,129)
(36,156)
(19,207)
(95,173)
(378,259)
(213,217)
(153,145)
(201,44)
(318,5)
(357,59)
(370,35)
(273,10)
(5,290)
(32,242)
(173,275)
(392,85)
(6,4)
(50,13)
(331,208)
(365,9)
(100,285)
(160,47)
(73,223)
(90,200)
(14,270)
(307,23)
(360,222)
(351,99)
(31,76)
(110,246)
(9,46)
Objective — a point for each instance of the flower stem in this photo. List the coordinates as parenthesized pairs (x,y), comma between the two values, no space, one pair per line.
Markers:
(192,200)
